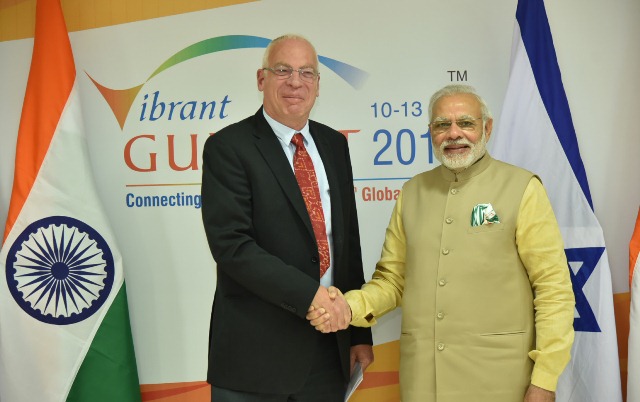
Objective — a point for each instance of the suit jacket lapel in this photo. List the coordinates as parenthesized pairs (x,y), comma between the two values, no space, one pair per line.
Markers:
(270,148)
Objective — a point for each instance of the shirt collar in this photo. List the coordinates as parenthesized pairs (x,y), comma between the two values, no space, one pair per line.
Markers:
(284,133)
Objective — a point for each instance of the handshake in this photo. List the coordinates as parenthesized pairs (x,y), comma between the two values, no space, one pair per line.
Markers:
(329,310)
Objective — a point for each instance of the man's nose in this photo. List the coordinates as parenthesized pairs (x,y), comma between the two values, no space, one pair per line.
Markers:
(455,131)
(295,79)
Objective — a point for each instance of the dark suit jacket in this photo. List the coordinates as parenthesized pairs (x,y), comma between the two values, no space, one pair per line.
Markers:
(262,240)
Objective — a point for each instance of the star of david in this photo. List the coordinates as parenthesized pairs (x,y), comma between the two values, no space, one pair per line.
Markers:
(589,258)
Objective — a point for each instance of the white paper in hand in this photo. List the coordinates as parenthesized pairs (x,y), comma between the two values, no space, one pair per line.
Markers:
(356,379)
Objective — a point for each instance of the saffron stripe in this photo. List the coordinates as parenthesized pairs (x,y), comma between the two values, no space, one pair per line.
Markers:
(50,81)
(634,249)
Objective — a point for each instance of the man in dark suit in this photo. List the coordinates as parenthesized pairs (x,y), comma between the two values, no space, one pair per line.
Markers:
(280,217)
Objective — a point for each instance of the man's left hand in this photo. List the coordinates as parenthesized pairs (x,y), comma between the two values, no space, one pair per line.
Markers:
(362,354)
(537,394)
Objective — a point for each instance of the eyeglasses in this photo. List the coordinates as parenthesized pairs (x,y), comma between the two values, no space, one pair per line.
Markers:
(465,124)
(284,73)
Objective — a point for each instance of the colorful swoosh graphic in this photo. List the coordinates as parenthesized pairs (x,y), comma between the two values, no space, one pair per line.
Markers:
(121,100)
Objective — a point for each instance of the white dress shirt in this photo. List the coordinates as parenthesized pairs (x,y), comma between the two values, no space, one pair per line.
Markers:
(285,134)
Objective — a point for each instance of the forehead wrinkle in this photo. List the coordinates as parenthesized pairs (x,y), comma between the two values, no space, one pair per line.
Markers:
(440,119)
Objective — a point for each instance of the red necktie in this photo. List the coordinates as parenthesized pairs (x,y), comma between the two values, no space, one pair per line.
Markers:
(308,182)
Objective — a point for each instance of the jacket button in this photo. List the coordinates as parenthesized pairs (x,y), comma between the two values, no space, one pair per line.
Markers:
(454,191)
(441,347)
(445,251)
(314,259)
(442,282)
(449,220)
(440,315)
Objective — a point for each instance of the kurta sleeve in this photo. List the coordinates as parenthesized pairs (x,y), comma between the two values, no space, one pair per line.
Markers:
(383,292)
(541,249)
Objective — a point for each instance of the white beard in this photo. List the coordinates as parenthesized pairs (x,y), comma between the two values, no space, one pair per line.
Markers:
(458,163)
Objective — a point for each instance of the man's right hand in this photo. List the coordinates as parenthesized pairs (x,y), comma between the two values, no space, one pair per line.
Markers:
(329,310)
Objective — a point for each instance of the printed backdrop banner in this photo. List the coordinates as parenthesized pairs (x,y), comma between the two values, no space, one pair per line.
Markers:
(149,124)
(155,81)
(536,121)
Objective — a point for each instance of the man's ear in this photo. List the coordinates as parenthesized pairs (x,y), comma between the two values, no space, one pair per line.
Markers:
(260,79)
(488,127)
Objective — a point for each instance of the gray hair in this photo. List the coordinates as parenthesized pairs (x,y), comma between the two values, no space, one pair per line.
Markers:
(267,52)
(455,89)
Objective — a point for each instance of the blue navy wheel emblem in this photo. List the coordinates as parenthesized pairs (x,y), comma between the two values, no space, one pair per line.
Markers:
(60,270)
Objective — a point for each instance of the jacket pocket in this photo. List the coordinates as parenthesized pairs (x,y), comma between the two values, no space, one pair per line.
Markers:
(494,227)
(503,333)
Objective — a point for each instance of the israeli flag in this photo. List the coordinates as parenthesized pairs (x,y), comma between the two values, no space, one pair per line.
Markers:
(536,132)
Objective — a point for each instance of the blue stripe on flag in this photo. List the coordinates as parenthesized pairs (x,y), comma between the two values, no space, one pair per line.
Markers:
(536,36)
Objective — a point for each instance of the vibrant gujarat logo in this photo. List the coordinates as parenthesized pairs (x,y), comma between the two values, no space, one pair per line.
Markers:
(121,100)
(60,270)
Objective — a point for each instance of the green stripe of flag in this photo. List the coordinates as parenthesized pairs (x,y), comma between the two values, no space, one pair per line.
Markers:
(108,372)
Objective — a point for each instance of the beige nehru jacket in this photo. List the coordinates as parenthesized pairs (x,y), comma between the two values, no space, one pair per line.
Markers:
(481,304)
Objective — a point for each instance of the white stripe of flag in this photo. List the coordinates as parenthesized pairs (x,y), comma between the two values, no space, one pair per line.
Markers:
(64,324)
(536,132)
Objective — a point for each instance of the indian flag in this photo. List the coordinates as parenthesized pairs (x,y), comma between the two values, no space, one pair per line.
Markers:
(64,322)
(633,378)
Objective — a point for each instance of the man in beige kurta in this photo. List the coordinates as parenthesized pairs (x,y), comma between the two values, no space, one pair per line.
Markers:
(474,256)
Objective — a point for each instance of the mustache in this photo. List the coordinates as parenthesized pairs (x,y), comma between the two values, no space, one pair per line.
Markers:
(459,141)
